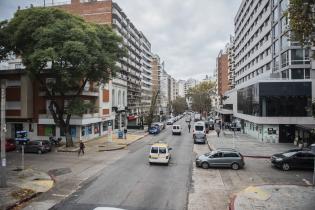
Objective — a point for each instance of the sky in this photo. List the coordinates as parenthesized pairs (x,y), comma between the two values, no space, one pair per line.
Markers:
(186,34)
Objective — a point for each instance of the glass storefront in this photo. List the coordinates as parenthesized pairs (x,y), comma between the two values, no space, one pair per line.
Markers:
(276,99)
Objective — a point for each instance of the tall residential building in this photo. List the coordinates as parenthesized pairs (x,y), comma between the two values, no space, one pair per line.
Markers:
(165,91)
(174,89)
(274,75)
(190,83)
(181,88)
(231,62)
(146,75)
(135,67)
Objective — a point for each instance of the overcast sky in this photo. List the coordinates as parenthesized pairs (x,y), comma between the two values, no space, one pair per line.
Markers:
(186,34)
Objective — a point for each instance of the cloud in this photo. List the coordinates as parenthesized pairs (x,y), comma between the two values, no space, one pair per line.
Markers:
(187,35)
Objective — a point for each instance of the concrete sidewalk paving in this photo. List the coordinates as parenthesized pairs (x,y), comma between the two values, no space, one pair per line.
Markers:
(23,185)
(274,197)
(247,145)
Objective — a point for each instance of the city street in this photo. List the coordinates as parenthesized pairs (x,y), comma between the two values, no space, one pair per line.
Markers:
(131,183)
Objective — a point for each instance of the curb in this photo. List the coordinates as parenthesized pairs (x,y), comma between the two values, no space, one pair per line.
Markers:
(114,149)
(247,156)
(23,200)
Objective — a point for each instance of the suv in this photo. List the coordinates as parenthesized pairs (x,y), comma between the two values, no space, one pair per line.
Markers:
(221,158)
(160,153)
(176,129)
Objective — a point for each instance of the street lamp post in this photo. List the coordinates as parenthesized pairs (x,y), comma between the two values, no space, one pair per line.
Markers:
(3,178)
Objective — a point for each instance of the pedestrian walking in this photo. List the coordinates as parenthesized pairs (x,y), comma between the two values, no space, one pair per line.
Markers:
(218,130)
(189,126)
(125,132)
(82,146)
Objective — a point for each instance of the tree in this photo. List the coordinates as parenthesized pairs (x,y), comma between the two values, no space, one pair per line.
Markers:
(200,96)
(62,53)
(302,21)
(179,105)
(150,116)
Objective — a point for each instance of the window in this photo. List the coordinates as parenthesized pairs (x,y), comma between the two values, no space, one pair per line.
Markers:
(230,155)
(307,74)
(113,98)
(284,42)
(276,47)
(276,63)
(285,74)
(284,23)
(217,155)
(154,150)
(105,126)
(275,31)
(285,59)
(162,150)
(199,128)
(275,14)
(284,6)
(297,73)
(297,56)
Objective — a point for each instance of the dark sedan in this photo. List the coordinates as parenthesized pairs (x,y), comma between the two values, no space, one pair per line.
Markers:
(37,146)
(302,159)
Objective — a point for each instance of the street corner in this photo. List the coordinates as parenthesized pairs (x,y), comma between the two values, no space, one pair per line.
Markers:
(110,146)
(274,197)
(23,186)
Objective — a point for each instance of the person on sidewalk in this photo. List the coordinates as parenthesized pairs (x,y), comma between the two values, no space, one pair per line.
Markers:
(82,146)
(218,130)
(189,126)
(125,132)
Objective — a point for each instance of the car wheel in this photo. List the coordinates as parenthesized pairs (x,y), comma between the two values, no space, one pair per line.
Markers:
(285,166)
(205,165)
(39,152)
(235,166)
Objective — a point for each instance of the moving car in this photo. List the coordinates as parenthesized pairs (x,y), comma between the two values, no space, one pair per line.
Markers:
(36,146)
(10,145)
(155,129)
(197,117)
(176,129)
(188,119)
(200,138)
(160,153)
(221,158)
(302,159)
(161,125)
(199,128)
(170,121)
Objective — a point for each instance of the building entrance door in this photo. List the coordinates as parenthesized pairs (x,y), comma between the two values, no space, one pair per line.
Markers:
(286,133)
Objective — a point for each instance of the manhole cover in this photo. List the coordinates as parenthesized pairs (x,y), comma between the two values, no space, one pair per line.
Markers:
(59,171)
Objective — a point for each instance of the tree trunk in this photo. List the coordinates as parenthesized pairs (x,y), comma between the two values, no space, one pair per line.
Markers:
(69,142)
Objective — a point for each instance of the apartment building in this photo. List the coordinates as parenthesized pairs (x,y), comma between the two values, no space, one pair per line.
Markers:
(27,107)
(135,71)
(222,73)
(181,88)
(274,75)
(231,67)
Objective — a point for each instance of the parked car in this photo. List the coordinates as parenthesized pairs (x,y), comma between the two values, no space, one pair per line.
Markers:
(10,145)
(36,146)
(302,159)
(154,129)
(161,125)
(221,158)
(160,153)
(200,138)
(176,129)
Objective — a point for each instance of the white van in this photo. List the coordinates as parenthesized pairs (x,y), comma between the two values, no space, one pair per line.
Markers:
(199,128)
(176,129)
(160,153)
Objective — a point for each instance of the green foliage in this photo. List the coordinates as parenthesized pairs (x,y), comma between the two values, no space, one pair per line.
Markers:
(179,105)
(302,21)
(63,47)
(200,96)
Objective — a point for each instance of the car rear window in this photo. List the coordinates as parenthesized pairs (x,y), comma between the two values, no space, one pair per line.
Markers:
(175,127)
(162,150)
(154,150)
(199,128)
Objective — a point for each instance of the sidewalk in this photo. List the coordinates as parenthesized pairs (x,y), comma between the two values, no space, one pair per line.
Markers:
(65,168)
(274,197)
(248,146)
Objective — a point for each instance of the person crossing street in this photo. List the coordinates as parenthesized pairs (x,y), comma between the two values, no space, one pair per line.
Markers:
(82,146)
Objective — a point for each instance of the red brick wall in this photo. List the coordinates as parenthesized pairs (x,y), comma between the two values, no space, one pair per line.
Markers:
(105,95)
(223,74)
(96,12)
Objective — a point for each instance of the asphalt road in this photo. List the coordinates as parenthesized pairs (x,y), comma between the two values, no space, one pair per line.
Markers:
(131,183)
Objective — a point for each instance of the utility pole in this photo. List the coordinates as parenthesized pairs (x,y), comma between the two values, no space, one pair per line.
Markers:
(3,177)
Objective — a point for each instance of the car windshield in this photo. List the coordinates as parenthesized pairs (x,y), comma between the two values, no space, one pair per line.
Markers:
(199,128)
(289,154)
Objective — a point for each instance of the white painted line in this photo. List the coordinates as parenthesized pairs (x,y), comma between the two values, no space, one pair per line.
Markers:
(307,182)
(59,195)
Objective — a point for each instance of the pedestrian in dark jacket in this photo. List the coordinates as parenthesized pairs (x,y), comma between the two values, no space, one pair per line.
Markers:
(189,126)
(218,130)
(125,132)
(82,146)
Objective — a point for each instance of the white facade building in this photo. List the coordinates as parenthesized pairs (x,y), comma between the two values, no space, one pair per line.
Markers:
(273,75)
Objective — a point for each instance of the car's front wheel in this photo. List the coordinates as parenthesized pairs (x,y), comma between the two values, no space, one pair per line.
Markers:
(235,166)
(286,166)
(205,165)
(39,151)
